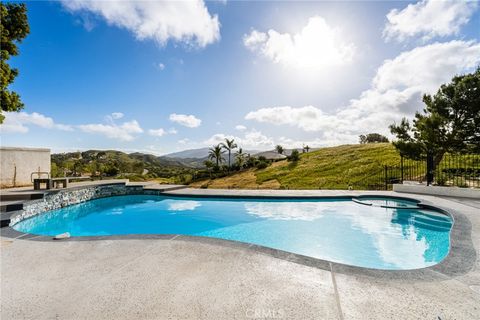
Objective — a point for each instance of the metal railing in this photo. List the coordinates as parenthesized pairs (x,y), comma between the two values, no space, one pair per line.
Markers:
(460,170)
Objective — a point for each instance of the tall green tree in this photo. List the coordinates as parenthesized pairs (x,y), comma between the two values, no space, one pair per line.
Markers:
(294,156)
(13,28)
(229,145)
(372,138)
(279,149)
(450,121)
(216,153)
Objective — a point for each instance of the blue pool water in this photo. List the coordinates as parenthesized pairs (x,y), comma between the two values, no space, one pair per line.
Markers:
(337,230)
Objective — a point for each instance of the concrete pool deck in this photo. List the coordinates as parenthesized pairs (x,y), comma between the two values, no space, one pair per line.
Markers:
(160,277)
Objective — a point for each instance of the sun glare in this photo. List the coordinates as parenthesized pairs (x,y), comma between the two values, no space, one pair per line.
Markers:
(316,46)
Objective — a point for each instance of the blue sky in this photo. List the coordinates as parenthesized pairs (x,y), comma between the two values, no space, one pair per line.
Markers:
(160,77)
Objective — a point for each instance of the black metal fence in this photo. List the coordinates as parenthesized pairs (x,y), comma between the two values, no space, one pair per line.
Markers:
(460,170)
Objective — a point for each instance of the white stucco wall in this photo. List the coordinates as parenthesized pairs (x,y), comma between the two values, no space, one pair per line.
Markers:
(17,164)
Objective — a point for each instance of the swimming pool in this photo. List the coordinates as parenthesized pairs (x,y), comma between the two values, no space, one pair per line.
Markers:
(338,230)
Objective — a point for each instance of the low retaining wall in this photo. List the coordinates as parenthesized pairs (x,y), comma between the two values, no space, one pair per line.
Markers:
(61,198)
(438,191)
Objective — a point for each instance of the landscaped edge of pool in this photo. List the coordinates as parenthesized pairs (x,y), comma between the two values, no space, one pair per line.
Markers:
(460,260)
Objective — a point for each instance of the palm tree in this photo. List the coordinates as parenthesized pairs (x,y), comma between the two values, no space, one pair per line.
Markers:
(279,149)
(229,145)
(216,153)
(240,158)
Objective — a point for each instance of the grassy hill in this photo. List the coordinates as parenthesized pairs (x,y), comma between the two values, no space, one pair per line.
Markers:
(117,164)
(328,168)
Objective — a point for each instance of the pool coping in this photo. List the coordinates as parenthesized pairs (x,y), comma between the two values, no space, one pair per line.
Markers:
(459,261)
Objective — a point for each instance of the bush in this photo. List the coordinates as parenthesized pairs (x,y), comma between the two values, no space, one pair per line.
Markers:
(441,180)
(261,165)
(251,162)
(294,156)
(111,171)
(462,183)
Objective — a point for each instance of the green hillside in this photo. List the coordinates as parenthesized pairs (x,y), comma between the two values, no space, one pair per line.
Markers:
(116,164)
(328,168)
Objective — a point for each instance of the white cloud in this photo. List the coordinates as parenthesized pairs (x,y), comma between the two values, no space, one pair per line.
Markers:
(255,40)
(160,132)
(189,121)
(256,139)
(308,118)
(19,122)
(124,132)
(187,22)
(395,92)
(399,84)
(117,115)
(219,138)
(157,132)
(160,66)
(317,45)
(292,143)
(240,127)
(427,66)
(184,141)
(252,139)
(428,19)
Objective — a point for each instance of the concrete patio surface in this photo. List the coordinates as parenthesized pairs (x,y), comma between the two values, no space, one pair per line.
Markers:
(179,277)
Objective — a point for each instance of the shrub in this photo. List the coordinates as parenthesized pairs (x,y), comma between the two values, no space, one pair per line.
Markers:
(441,180)
(111,171)
(261,165)
(462,183)
(294,156)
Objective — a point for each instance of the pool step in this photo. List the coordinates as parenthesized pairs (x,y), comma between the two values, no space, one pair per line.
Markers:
(13,201)
(17,196)
(435,215)
(431,222)
(4,223)
(5,218)
(7,206)
(442,219)
(425,220)
(430,226)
